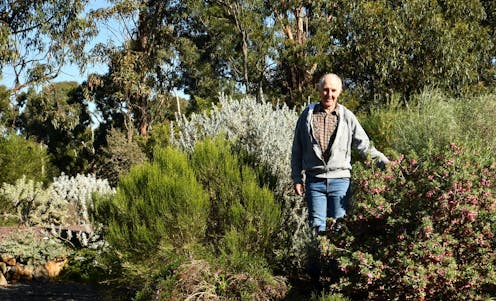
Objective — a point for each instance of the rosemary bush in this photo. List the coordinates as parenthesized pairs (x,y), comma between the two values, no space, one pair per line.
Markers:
(243,217)
(159,207)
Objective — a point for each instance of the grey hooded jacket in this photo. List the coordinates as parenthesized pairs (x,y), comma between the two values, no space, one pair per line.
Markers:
(306,154)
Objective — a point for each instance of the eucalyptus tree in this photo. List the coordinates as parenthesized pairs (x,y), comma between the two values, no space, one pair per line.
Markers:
(225,47)
(404,46)
(138,83)
(306,44)
(37,38)
(7,115)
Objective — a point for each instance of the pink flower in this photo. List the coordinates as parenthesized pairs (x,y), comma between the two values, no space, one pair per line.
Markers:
(370,278)
(485,183)
(471,215)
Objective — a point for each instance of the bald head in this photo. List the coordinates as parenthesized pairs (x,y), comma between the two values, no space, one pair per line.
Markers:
(330,87)
(330,77)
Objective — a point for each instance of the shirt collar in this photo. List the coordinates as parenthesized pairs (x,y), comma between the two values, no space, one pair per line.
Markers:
(320,109)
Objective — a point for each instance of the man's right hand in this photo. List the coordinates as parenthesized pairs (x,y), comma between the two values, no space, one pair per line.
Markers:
(299,189)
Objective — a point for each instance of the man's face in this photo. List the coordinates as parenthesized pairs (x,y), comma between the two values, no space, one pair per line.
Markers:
(330,91)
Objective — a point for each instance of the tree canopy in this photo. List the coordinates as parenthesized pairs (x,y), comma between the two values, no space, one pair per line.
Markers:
(37,38)
(273,50)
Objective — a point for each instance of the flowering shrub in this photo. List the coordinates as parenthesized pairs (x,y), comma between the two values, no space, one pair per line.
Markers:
(422,229)
(266,134)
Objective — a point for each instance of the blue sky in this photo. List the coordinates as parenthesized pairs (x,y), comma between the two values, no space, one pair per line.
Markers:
(71,72)
(112,31)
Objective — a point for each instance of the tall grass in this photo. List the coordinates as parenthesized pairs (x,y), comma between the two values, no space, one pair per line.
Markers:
(432,120)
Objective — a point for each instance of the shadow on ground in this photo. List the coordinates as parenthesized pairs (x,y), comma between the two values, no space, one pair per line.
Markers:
(52,291)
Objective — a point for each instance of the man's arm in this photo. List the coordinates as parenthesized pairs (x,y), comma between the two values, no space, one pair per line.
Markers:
(296,159)
(361,143)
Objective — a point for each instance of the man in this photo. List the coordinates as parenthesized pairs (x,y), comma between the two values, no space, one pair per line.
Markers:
(324,136)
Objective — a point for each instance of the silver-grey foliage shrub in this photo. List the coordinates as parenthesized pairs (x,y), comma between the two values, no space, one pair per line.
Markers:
(266,133)
(77,193)
(32,202)
(64,203)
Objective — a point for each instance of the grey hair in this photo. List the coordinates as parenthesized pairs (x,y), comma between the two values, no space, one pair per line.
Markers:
(322,79)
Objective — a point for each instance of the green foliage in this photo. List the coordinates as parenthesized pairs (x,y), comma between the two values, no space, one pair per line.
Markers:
(30,248)
(227,52)
(20,156)
(159,137)
(6,110)
(137,87)
(263,134)
(243,216)
(117,158)
(159,208)
(421,229)
(58,117)
(282,48)
(433,118)
(162,210)
(39,37)
(329,297)
(204,280)
(408,46)
(87,265)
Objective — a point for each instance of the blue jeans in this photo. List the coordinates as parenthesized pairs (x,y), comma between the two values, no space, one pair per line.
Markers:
(326,198)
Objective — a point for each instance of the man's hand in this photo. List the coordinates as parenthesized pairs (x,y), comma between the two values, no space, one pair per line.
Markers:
(299,189)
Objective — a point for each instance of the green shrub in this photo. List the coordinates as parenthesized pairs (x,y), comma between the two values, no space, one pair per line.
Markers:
(423,229)
(159,207)
(20,156)
(118,156)
(329,297)
(265,132)
(159,137)
(31,248)
(91,266)
(243,216)
(434,119)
